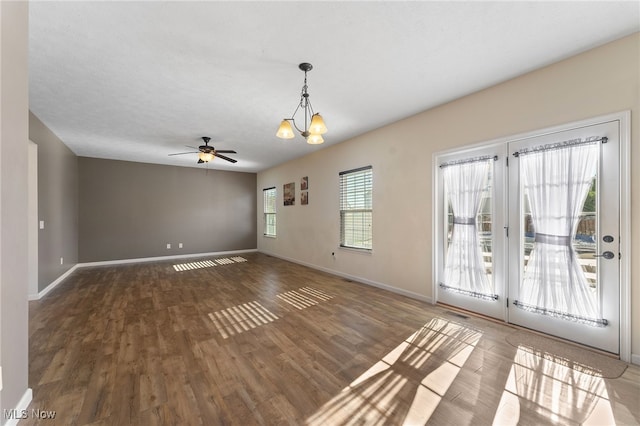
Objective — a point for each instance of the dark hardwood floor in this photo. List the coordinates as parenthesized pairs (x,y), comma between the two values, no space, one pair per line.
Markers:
(264,341)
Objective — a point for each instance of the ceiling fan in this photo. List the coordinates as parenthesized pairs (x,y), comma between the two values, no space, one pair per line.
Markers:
(206,152)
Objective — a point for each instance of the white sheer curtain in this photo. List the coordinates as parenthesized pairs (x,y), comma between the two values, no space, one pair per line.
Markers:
(464,265)
(557,182)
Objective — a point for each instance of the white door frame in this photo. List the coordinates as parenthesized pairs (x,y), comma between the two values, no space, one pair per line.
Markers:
(624,117)
(495,309)
(32,233)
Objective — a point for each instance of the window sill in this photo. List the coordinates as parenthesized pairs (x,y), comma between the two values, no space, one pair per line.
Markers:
(269,236)
(356,250)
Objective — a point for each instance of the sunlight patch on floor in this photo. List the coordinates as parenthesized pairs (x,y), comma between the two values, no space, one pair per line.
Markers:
(241,318)
(407,384)
(193,265)
(200,264)
(304,297)
(554,391)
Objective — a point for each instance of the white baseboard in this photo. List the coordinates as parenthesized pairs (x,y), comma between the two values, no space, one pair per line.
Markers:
(20,409)
(54,284)
(635,359)
(160,258)
(62,277)
(355,278)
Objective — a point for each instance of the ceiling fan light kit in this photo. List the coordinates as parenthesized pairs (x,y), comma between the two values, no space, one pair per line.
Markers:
(207,153)
(314,126)
(205,156)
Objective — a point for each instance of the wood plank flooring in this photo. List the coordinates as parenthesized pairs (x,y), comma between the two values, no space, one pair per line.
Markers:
(269,342)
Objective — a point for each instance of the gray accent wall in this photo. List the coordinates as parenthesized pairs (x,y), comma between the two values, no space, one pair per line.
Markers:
(14,141)
(57,204)
(133,210)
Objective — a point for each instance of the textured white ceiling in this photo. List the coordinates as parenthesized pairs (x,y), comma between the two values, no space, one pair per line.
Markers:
(138,81)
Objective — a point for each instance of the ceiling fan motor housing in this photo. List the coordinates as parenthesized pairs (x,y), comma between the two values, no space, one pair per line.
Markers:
(206,148)
(206,152)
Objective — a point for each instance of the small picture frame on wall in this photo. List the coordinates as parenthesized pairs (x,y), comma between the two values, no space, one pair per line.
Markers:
(304,198)
(289,194)
(304,183)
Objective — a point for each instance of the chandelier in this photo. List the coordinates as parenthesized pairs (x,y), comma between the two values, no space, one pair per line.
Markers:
(314,126)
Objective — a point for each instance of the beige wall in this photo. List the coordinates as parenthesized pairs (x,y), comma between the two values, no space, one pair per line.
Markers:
(598,82)
(14,140)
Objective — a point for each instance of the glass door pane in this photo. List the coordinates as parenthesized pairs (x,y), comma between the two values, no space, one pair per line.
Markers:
(484,221)
(471,212)
(566,276)
(584,240)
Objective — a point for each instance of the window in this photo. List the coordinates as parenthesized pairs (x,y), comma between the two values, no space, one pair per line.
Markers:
(269,197)
(356,212)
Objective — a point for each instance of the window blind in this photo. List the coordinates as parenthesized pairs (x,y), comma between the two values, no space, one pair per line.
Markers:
(269,209)
(356,209)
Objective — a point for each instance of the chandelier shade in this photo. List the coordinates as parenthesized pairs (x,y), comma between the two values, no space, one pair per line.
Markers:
(285,131)
(314,125)
(314,139)
(317,125)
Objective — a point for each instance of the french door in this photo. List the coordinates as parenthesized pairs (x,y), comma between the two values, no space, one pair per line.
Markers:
(528,232)
(564,240)
(471,220)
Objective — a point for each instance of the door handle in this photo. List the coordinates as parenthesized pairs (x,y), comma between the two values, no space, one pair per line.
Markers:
(606,255)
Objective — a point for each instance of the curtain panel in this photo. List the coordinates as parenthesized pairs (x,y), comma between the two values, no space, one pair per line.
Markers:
(556,183)
(464,269)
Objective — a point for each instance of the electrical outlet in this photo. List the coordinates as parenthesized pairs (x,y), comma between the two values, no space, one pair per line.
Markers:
(62,260)
(168,246)
(42,224)
(179,245)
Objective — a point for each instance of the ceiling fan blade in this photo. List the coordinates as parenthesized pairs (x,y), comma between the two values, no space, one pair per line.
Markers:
(224,158)
(226,151)
(192,147)
(182,153)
